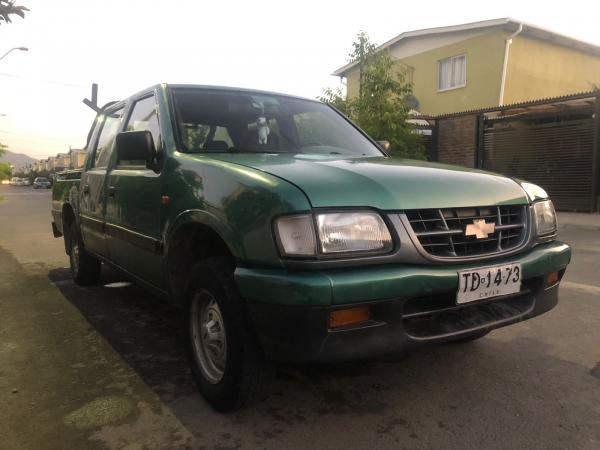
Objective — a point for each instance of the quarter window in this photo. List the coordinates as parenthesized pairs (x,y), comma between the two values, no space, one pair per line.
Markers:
(452,72)
(106,140)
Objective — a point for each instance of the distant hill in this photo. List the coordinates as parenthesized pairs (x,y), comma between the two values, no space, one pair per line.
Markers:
(16,159)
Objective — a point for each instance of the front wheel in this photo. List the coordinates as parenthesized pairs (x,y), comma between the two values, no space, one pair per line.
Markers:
(85,269)
(228,365)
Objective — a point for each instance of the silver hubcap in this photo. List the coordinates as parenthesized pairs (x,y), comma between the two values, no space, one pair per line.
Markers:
(208,335)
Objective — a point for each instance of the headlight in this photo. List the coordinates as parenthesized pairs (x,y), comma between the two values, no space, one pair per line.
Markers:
(353,232)
(545,217)
(337,233)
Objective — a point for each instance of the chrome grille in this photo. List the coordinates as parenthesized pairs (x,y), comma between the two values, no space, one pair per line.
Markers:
(441,232)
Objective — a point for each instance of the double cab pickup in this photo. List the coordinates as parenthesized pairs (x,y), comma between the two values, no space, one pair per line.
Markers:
(285,233)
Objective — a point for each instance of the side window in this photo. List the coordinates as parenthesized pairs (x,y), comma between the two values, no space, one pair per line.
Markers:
(144,117)
(104,148)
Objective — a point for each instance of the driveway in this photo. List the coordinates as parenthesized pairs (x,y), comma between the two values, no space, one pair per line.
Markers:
(104,367)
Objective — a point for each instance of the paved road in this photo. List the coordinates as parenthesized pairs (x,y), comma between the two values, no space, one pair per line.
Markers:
(103,367)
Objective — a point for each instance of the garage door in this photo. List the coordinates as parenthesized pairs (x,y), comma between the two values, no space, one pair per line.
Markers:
(555,153)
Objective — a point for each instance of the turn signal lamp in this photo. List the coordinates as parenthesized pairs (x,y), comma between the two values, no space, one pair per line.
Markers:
(351,316)
(553,278)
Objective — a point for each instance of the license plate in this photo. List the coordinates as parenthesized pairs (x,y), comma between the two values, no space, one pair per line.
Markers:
(487,282)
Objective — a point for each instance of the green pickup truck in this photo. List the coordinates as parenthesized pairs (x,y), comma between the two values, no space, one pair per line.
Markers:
(287,234)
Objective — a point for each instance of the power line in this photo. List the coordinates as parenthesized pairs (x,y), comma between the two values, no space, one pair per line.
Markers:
(32,138)
(60,83)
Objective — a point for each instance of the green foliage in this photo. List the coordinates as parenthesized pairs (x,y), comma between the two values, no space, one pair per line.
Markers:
(5,172)
(337,99)
(380,108)
(8,8)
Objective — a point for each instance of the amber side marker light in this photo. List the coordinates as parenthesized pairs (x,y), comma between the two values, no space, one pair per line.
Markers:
(553,278)
(351,316)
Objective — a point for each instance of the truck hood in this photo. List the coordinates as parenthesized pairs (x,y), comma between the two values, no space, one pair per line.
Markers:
(383,183)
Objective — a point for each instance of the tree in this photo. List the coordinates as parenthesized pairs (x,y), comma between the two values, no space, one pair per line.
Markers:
(8,8)
(380,107)
(5,171)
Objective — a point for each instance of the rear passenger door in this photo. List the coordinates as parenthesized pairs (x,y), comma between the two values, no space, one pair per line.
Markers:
(92,189)
(134,202)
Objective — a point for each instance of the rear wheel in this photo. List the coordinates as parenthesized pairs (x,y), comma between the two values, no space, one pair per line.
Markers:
(228,365)
(85,269)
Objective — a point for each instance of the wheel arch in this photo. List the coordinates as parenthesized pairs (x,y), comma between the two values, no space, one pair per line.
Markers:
(67,218)
(193,236)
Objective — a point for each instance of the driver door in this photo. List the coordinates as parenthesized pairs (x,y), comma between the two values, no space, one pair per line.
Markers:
(133,206)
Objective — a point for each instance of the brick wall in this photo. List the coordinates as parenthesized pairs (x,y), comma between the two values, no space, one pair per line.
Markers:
(457,140)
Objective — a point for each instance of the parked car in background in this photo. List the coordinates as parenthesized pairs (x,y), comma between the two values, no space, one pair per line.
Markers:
(25,182)
(42,183)
(15,181)
(287,234)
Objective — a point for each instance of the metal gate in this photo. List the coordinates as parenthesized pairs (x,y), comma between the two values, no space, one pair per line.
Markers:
(554,151)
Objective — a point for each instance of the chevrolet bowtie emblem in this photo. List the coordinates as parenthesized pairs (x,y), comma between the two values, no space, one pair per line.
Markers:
(480,229)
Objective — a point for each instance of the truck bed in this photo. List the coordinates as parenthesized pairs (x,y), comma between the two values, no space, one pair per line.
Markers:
(65,189)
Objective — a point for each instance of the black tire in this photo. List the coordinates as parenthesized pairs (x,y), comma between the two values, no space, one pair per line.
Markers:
(235,373)
(85,269)
(470,337)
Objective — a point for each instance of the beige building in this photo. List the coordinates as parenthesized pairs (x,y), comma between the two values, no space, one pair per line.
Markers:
(77,158)
(62,161)
(486,64)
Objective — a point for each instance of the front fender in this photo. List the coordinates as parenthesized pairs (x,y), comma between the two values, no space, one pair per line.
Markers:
(209,220)
(237,202)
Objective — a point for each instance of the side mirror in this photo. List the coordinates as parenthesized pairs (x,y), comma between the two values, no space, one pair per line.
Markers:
(385,146)
(136,148)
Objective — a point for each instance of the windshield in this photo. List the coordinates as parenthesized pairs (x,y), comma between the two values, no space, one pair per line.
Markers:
(212,121)
(42,180)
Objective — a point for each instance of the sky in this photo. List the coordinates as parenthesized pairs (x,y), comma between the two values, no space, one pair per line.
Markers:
(284,46)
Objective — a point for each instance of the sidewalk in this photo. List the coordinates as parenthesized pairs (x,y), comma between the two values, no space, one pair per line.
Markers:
(590,221)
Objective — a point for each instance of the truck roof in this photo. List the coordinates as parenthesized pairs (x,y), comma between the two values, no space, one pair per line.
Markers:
(209,87)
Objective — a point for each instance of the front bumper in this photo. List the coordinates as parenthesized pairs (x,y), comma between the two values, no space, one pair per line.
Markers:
(411,305)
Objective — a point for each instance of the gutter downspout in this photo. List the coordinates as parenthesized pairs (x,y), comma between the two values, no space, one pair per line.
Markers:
(505,65)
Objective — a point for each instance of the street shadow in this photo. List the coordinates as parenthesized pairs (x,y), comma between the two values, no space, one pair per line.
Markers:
(145,330)
(150,335)
(490,393)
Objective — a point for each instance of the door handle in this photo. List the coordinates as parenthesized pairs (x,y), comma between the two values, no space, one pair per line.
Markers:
(86,188)
(111,191)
